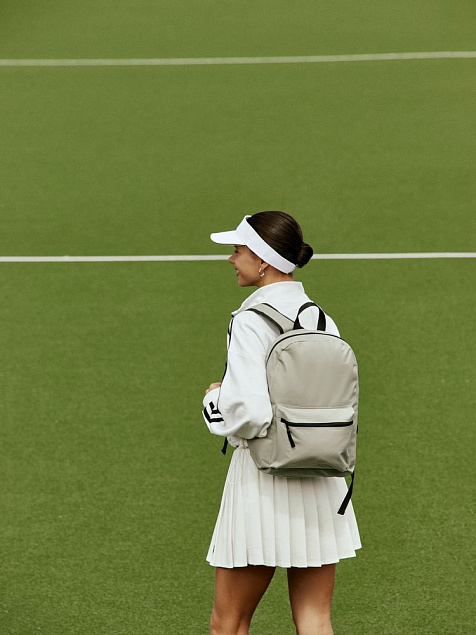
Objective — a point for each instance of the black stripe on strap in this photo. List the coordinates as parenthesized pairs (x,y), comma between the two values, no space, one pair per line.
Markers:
(281,330)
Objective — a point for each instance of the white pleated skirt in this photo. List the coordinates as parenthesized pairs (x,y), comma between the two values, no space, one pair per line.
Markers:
(275,521)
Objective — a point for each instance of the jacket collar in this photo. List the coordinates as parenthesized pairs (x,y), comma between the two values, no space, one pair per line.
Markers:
(271,293)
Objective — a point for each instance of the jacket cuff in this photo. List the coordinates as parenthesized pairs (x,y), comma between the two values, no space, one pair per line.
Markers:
(211,414)
(211,396)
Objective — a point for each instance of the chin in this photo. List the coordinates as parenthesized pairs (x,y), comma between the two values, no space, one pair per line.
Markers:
(246,283)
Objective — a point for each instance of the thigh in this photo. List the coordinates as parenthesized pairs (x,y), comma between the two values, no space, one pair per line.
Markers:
(310,592)
(239,590)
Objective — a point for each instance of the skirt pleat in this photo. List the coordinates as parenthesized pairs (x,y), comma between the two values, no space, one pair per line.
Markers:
(274,521)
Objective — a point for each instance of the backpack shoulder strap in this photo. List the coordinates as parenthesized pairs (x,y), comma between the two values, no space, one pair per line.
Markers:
(321,322)
(283,323)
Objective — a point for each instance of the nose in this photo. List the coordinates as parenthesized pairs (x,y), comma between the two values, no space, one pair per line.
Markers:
(231,258)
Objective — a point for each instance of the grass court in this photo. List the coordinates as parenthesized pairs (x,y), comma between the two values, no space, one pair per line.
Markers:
(110,481)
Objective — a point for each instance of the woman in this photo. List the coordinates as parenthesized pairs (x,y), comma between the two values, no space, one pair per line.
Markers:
(267,521)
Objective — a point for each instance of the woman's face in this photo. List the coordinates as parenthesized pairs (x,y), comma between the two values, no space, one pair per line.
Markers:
(247,265)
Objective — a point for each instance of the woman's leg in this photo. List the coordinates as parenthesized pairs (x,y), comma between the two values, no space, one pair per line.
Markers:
(237,594)
(310,592)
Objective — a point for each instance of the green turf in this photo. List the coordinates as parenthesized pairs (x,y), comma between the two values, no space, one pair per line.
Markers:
(111,482)
(372,157)
(170,28)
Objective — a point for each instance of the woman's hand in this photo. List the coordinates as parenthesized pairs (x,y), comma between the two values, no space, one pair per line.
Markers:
(213,386)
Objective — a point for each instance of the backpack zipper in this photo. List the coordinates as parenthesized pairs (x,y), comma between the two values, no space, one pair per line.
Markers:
(331,424)
(290,436)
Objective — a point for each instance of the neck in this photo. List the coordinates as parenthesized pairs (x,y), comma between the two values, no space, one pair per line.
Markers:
(275,276)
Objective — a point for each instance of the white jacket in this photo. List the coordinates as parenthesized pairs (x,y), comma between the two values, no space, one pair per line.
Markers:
(240,408)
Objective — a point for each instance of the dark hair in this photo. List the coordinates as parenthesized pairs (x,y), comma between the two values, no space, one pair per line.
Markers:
(283,233)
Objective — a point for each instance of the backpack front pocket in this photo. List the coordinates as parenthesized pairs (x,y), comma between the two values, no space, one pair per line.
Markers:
(320,438)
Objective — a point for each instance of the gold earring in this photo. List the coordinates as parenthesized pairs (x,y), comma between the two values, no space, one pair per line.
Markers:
(261,273)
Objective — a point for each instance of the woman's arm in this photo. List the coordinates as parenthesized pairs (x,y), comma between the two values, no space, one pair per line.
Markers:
(241,405)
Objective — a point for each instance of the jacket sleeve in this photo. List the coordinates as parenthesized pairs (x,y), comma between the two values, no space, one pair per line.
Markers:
(241,406)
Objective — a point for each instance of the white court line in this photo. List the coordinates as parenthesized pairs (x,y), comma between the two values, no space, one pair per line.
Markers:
(389,256)
(218,61)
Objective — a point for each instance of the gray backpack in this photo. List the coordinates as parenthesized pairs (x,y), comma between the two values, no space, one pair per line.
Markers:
(314,390)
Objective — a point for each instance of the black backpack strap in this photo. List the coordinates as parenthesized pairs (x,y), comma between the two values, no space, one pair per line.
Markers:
(283,323)
(321,322)
(346,500)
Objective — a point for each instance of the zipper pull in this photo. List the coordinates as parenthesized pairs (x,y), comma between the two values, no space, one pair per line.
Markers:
(290,436)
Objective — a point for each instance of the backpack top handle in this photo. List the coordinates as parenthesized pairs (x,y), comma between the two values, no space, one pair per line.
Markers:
(283,323)
(321,322)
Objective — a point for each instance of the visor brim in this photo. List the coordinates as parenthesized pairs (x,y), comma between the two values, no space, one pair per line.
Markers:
(227,238)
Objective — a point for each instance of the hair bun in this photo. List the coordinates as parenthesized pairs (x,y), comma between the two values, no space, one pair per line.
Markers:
(304,255)
(282,233)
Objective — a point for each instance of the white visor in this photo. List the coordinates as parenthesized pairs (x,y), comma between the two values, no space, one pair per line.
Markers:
(244,234)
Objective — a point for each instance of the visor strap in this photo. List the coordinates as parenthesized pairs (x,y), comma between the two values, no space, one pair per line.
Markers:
(253,241)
